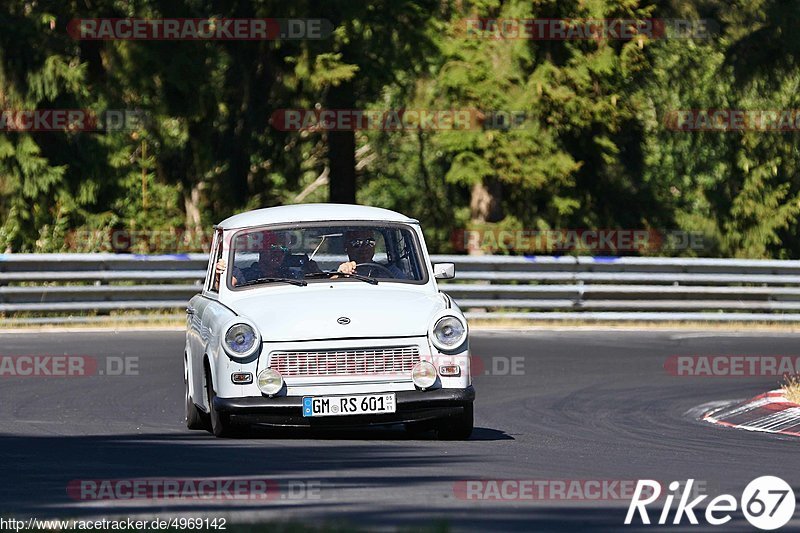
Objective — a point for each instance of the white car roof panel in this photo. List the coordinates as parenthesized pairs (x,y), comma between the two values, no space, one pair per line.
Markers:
(312,213)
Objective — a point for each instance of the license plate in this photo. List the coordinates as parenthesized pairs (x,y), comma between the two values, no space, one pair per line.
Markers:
(361,404)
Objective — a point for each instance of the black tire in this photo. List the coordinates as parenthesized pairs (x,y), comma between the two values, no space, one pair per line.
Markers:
(457,427)
(195,418)
(220,423)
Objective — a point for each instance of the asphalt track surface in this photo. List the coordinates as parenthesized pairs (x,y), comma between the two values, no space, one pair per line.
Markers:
(587,405)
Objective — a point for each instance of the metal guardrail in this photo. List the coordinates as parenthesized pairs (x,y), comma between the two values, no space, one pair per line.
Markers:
(487,287)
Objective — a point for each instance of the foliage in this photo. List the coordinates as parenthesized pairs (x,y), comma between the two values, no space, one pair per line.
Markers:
(592,147)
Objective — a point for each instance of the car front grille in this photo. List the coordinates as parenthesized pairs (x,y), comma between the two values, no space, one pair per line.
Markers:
(370,361)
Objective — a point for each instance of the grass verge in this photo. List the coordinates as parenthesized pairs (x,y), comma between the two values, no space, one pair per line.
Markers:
(791,388)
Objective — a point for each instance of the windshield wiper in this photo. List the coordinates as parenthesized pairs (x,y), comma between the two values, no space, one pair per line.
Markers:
(331,273)
(298,282)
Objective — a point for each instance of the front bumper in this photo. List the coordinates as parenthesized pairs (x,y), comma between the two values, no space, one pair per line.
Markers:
(412,406)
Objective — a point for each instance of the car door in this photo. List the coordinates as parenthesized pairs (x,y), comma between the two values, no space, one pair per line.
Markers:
(197,329)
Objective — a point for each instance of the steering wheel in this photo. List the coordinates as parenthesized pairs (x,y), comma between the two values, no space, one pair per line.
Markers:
(372,268)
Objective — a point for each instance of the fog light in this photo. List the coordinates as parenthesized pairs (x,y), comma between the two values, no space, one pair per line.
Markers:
(242,378)
(270,381)
(449,370)
(423,374)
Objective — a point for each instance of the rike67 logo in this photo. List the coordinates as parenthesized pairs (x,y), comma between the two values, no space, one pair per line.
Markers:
(768,503)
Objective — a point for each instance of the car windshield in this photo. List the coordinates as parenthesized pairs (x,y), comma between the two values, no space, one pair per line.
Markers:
(343,252)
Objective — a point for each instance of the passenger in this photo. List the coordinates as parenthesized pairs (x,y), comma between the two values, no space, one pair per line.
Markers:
(271,262)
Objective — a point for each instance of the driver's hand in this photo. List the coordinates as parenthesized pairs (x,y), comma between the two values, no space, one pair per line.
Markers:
(347,268)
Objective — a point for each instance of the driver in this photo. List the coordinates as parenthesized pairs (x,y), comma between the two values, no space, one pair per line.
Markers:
(360,247)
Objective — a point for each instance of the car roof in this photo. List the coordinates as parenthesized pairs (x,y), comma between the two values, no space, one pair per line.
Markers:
(312,213)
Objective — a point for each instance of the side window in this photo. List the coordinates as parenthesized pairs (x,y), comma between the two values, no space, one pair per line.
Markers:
(216,254)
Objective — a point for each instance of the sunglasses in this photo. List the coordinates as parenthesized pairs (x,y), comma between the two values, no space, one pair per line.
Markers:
(358,243)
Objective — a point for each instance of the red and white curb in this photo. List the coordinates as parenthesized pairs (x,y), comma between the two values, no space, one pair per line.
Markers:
(770,413)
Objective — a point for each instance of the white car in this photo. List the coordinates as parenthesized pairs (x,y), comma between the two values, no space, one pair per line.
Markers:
(325,315)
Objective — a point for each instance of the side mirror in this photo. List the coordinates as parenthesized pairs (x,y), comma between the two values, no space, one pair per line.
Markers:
(444,271)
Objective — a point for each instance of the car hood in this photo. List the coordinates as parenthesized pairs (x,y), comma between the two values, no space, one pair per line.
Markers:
(313,312)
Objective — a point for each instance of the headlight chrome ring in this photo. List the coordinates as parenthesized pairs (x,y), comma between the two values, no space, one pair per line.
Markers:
(448,333)
(241,340)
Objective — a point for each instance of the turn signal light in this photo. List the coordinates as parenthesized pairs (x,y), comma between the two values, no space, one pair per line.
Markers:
(450,370)
(242,378)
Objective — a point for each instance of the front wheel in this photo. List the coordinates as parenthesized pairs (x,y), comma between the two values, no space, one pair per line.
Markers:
(221,425)
(457,427)
(195,418)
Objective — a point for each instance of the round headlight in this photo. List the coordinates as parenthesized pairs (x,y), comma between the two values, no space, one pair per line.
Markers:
(448,333)
(423,374)
(241,340)
(270,381)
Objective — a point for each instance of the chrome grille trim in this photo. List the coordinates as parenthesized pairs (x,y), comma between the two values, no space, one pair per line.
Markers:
(346,362)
